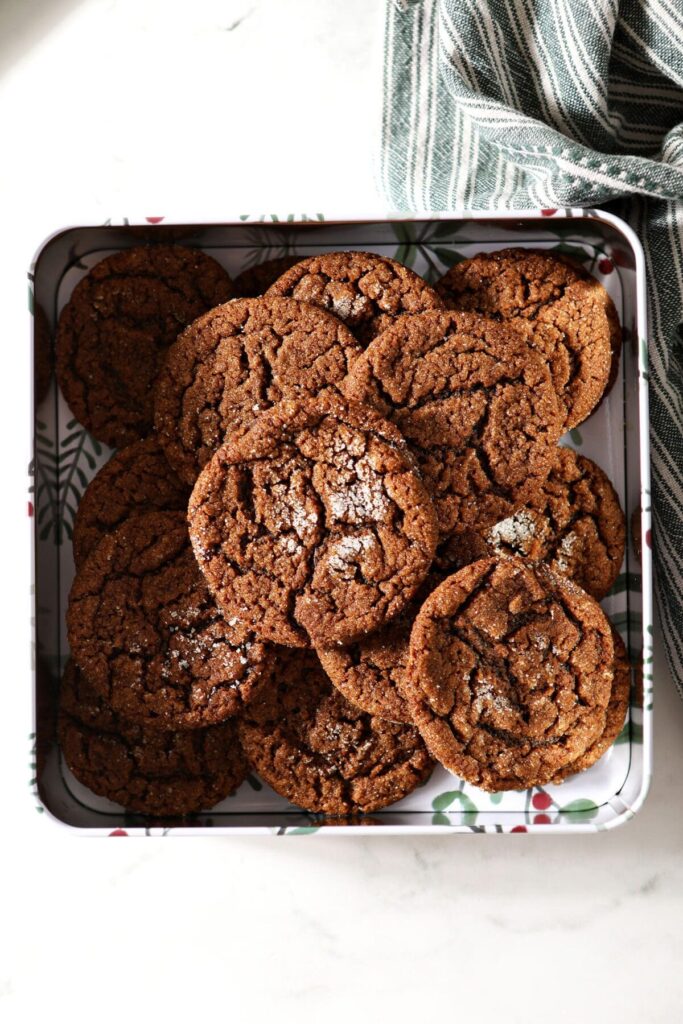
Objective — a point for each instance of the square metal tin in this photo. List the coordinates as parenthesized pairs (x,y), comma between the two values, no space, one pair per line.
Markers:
(66,457)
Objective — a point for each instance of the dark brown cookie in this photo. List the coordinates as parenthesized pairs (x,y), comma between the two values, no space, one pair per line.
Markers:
(575,524)
(256,280)
(569,316)
(509,673)
(363,289)
(314,523)
(369,672)
(476,406)
(145,630)
(238,360)
(137,479)
(149,771)
(616,713)
(322,753)
(115,329)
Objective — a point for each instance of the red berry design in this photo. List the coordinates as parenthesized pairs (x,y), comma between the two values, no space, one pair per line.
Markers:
(541,801)
(154,220)
(30,508)
(547,213)
(518,828)
(541,819)
(605,266)
(648,538)
(118,832)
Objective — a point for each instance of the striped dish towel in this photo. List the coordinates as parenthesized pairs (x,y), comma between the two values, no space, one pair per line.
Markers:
(506,104)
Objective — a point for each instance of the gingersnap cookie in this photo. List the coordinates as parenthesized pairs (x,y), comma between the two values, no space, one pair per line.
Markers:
(146,632)
(574,523)
(148,771)
(568,315)
(509,673)
(320,752)
(363,289)
(116,327)
(616,713)
(313,524)
(476,406)
(256,280)
(137,479)
(369,672)
(238,360)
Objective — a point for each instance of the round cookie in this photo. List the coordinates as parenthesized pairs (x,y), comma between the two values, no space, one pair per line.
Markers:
(476,406)
(575,524)
(148,771)
(616,713)
(313,524)
(370,671)
(256,280)
(116,327)
(320,752)
(238,360)
(509,673)
(145,630)
(363,289)
(137,479)
(569,316)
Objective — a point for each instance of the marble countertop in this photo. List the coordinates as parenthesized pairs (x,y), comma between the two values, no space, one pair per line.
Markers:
(117,105)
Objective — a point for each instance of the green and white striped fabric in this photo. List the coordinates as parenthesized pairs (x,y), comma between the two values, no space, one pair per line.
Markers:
(507,104)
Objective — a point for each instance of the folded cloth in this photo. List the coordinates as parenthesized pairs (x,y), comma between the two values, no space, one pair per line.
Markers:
(507,104)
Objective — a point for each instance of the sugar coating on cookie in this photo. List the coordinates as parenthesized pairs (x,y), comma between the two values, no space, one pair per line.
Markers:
(237,360)
(146,632)
(321,752)
(476,406)
(569,316)
(313,524)
(148,771)
(574,523)
(509,673)
(115,329)
(616,713)
(137,479)
(365,290)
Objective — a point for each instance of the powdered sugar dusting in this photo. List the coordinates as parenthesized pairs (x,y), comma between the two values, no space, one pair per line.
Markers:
(517,531)
(346,551)
(362,499)
(565,550)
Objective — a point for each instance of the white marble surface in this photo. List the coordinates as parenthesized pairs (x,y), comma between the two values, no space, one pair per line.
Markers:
(113,106)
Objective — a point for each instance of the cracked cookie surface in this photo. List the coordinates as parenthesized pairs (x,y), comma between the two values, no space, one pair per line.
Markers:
(575,524)
(568,316)
(369,672)
(148,771)
(616,713)
(509,673)
(365,290)
(146,632)
(476,406)
(115,329)
(238,360)
(322,753)
(313,524)
(137,479)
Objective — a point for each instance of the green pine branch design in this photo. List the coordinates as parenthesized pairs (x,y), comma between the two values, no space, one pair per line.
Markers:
(61,478)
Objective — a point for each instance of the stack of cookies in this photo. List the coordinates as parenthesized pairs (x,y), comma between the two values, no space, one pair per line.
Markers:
(340,541)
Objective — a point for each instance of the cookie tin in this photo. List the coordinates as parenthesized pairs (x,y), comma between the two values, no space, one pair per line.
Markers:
(66,457)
